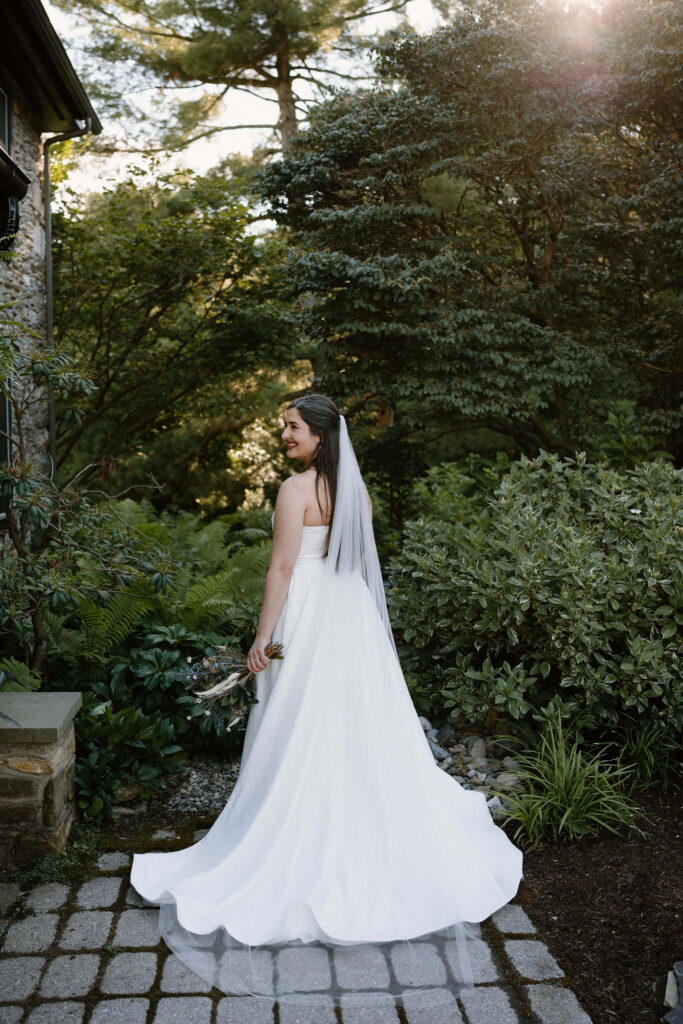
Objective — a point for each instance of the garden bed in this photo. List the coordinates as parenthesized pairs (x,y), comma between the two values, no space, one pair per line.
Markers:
(611,911)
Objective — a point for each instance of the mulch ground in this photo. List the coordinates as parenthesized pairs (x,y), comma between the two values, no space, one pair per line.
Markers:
(611,911)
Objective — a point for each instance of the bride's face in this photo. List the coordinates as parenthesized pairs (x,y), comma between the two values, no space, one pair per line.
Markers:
(301,443)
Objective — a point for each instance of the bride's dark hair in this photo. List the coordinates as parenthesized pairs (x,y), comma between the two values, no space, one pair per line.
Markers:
(322,417)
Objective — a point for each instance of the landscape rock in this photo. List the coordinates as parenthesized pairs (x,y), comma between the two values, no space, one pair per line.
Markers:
(477,748)
(438,752)
(446,735)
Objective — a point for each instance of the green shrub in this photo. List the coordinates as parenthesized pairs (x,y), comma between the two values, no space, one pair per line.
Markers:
(118,748)
(124,650)
(568,793)
(458,492)
(566,592)
(650,751)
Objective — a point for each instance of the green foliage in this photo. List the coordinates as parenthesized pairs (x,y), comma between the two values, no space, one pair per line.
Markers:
(626,440)
(232,595)
(118,748)
(457,491)
(568,793)
(653,754)
(181,317)
(493,236)
(566,594)
(62,550)
(16,677)
(131,650)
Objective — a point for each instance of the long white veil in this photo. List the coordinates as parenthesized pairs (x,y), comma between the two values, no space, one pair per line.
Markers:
(352,545)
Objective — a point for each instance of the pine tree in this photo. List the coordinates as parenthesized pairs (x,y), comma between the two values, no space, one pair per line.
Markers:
(265,47)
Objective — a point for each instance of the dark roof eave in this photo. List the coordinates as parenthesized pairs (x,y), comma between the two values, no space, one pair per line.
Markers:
(34,16)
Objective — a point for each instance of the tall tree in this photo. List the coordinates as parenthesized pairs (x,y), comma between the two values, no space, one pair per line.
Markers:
(497,242)
(265,46)
(177,314)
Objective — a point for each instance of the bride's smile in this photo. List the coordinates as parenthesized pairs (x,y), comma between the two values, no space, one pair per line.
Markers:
(301,442)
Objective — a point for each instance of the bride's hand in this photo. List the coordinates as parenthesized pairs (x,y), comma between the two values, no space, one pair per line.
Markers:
(256,659)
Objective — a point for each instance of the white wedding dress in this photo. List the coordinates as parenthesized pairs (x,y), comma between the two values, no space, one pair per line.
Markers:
(342,835)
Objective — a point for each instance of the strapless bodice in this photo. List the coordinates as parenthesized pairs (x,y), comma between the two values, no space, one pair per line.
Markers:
(312,543)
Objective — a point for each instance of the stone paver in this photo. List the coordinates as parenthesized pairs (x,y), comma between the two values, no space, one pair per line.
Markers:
(99,892)
(488,1005)
(11,1014)
(295,964)
(69,976)
(113,861)
(418,964)
(164,833)
(138,928)
(241,972)
(9,894)
(244,1010)
(19,977)
(120,1011)
(533,959)
(422,1007)
(177,977)
(31,934)
(50,896)
(513,920)
(363,967)
(555,1005)
(86,929)
(57,1013)
(483,967)
(307,1009)
(527,975)
(357,1010)
(183,1009)
(133,897)
(129,973)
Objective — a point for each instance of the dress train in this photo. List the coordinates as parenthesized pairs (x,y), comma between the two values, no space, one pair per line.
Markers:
(345,865)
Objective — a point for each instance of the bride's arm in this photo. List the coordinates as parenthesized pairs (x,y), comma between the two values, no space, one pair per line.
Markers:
(287,532)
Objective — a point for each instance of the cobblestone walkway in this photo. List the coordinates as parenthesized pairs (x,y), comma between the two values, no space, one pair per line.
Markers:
(91,954)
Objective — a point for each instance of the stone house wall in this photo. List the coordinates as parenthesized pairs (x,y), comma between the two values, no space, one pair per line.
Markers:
(22,279)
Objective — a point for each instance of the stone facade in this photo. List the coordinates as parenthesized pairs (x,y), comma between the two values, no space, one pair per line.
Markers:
(22,279)
(37,767)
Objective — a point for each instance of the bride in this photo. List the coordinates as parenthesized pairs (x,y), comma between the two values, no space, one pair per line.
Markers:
(346,866)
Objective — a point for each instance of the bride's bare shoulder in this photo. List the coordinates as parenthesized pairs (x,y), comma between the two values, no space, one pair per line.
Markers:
(297,482)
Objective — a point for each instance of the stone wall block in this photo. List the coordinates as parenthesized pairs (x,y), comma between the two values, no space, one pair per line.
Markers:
(37,770)
(16,784)
(70,772)
(31,845)
(33,765)
(54,797)
(20,812)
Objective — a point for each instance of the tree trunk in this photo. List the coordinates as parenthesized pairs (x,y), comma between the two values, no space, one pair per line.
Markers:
(288,124)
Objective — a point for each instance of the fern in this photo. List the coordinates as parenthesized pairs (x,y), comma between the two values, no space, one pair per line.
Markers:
(17,677)
(106,627)
(230,595)
(69,644)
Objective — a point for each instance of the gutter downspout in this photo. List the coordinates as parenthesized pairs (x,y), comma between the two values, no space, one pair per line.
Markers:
(77,133)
